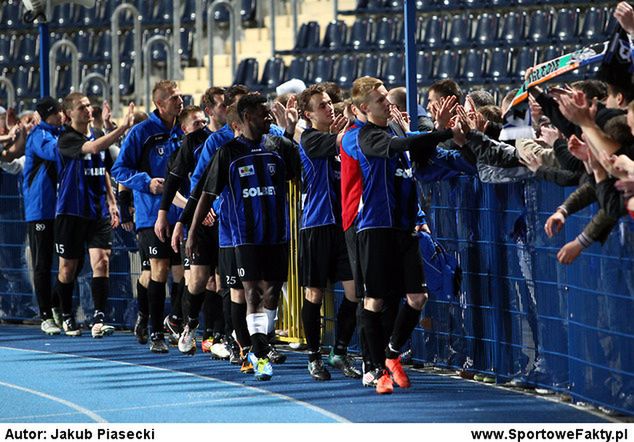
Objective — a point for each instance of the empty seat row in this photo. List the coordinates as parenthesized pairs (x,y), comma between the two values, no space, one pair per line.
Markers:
(369,6)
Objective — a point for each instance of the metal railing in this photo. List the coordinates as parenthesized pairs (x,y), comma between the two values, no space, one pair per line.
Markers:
(96,76)
(147,64)
(8,85)
(176,41)
(210,34)
(74,67)
(116,63)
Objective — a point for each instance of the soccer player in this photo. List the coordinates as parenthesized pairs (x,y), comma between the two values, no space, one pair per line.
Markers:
(255,168)
(40,194)
(86,210)
(142,166)
(322,246)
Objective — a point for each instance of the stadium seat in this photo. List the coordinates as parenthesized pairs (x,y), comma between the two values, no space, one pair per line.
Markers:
(273,74)
(335,37)
(307,36)
(486,23)
(593,21)
(396,5)
(458,33)
(567,21)
(88,16)
(247,72)
(448,64)
(126,84)
(186,43)
(360,33)
(611,22)
(83,42)
(297,69)
(393,69)
(189,11)
(522,59)
(346,71)
(384,35)
(247,13)
(539,27)
(102,46)
(433,34)
(498,69)
(64,82)
(161,12)
(424,66)
(375,5)
(126,48)
(61,15)
(513,27)
(34,82)
(94,88)
(369,65)
(21,81)
(5,49)
(221,17)
(27,49)
(473,65)
(12,14)
(549,53)
(104,16)
(321,69)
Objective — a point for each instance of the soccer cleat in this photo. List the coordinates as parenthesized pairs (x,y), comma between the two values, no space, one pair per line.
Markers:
(219,350)
(187,340)
(275,356)
(398,374)
(173,330)
(371,377)
(57,317)
(246,367)
(205,345)
(157,343)
(140,330)
(99,330)
(235,354)
(261,367)
(50,328)
(71,328)
(384,384)
(345,364)
(318,371)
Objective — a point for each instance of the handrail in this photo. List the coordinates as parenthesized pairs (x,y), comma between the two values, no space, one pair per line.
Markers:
(99,78)
(64,42)
(116,64)
(272,26)
(295,13)
(8,84)
(176,41)
(147,64)
(210,28)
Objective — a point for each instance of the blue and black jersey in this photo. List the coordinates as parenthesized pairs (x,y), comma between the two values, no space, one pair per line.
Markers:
(389,193)
(144,155)
(255,175)
(225,238)
(207,152)
(82,177)
(321,179)
(41,166)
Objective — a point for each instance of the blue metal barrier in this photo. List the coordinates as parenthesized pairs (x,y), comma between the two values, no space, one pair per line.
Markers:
(520,314)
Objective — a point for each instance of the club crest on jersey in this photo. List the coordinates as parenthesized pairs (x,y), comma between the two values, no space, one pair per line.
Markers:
(160,150)
(246,170)
(272,168)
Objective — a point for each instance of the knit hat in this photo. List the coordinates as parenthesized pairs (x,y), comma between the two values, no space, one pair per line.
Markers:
(46,107)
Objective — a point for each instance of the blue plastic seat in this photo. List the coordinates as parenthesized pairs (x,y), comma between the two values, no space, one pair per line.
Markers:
(424,66)
(369,65)
(567,22)
(433,35)
(186,44)
(593,23)
(222,17)
(273,73)
(393,69)
(486,26)
(346,71)
(64,82)
(34,82)
(308,36)
(126,84)
(360,34)
(459,31)
(27,51)
(384,35)
(247,72)
(126,48)
(61,15)
(104,16)
(189,11)
(513,27)
(21,81)
(83,41)
(12,14)
(448,64)
(539,27)
(611,24)
(297,69)
(473,69)
(321,69)
(396,5)
(247,13)
(5,49)
(498,69)
(335,36)
(550,53)
(375,5)
(87,16)
(162,12)
(522,59)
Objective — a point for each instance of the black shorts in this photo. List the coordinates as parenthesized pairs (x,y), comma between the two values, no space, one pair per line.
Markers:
(352,244)
(323,256)
(207,247)
(262,262)
(228,269)
(155,248)
(391,263)
(73,234)
(42,243)
(186,261)
(143,255)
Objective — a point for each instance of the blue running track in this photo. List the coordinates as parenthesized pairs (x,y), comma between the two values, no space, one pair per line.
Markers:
(72,380)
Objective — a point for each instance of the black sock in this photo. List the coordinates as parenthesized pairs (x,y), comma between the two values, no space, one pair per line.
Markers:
(176,294)
(156,301)
(45,299)
(142,299)
(388,318)
(259,345)
(311,317)
(100,287)
(239,319)
(214,317)
(65,294)
(405,322)
(195,304)
(363,342)
(185,302)
(373,329)
(226,312)
(346,323)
